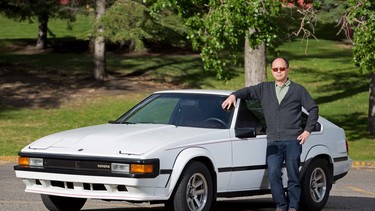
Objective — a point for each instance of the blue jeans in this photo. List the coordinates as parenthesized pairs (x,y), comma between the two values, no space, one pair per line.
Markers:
(278,152)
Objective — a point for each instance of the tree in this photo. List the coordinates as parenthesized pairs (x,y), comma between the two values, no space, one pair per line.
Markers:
(255,62)
(222,29)
(129,22)
(100,72)
(219,28)
(36,10)
(125,21)
(361,17)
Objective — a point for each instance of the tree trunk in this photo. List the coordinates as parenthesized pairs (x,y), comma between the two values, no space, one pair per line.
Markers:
(255,63)
(371,110)
(41,42)
(100,72)
(132,45)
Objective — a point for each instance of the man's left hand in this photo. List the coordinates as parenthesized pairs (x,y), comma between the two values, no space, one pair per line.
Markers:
(303,137)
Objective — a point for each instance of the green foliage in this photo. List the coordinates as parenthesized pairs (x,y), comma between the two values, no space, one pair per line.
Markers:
(32,10)
(329,10)
(126,20)
(218,28)
(361,15)
(129,20)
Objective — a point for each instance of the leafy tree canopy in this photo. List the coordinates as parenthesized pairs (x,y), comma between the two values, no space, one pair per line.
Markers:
(361,16)
(217,26)
(129,20)
(31,10)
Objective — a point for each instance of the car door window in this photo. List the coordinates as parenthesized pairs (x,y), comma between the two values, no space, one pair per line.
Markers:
(304,116)
(204,112)
(250,115)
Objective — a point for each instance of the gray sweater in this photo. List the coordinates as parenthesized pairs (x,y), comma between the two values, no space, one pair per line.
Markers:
(283,120)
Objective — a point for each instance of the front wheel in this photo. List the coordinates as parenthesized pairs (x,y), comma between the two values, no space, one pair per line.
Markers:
(194,191)
(316,185)
(59,203)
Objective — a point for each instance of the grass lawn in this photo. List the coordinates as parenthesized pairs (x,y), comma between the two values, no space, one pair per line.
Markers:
(326,71)
(24,30)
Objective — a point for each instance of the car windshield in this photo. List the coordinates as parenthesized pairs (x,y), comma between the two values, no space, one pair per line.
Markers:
(179,109)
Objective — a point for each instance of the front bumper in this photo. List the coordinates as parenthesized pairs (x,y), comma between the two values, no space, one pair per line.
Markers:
(96,187)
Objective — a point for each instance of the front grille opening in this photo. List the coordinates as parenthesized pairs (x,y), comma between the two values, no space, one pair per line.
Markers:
(94,187)
(98,187)
(121,188)
(86,186)
(69,185)
(38,182)
(58,184)
(77,164)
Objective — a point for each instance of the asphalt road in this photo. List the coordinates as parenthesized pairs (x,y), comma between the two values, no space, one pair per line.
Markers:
(356,191)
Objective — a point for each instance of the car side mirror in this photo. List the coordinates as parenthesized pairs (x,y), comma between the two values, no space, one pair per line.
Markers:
(248,132)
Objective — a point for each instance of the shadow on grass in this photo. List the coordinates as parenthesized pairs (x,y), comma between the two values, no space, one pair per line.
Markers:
(45,79)
(184,70)
(344,84)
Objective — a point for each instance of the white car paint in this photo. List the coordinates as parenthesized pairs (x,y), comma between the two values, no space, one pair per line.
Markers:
(238,163)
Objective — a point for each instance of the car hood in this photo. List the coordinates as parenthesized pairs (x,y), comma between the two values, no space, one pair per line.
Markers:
(112,139)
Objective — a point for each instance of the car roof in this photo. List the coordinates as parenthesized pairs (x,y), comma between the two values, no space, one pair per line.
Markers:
(197,91)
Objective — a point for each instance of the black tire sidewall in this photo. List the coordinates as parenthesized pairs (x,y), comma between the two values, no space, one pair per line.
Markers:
(307,203)
(59,203)
(179,197)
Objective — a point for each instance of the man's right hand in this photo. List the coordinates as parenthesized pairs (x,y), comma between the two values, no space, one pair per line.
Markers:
(227,104)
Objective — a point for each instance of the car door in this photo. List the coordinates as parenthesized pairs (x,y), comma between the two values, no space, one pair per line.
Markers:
(249,153)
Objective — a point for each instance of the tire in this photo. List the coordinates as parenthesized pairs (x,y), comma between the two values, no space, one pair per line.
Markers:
(59,203)
(194,191)
(316,185)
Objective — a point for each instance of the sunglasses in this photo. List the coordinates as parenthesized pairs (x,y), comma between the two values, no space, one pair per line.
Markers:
(279,68)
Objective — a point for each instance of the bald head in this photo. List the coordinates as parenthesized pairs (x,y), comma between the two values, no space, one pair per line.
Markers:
(284,61)
(280,70)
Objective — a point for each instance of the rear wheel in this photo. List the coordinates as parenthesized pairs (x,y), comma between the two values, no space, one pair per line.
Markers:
(316,185)
(59,203)
(194,191)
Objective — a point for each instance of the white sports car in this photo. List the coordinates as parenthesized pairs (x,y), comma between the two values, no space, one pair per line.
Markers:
(179,148)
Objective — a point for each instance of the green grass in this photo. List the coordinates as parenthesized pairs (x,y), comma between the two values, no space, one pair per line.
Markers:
(18,127)
(12,29)
(326,71)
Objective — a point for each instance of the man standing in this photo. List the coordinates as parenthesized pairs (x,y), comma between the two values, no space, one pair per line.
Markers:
(282,102)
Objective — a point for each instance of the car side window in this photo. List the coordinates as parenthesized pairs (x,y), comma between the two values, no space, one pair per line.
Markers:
(250,115)
(318,126)
(203,112)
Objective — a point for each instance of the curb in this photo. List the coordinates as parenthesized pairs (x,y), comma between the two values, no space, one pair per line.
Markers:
(363,164)
(8,159)
(355,164)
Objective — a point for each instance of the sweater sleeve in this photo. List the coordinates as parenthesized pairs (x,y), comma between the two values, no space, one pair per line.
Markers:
(312,108)
(250,92)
